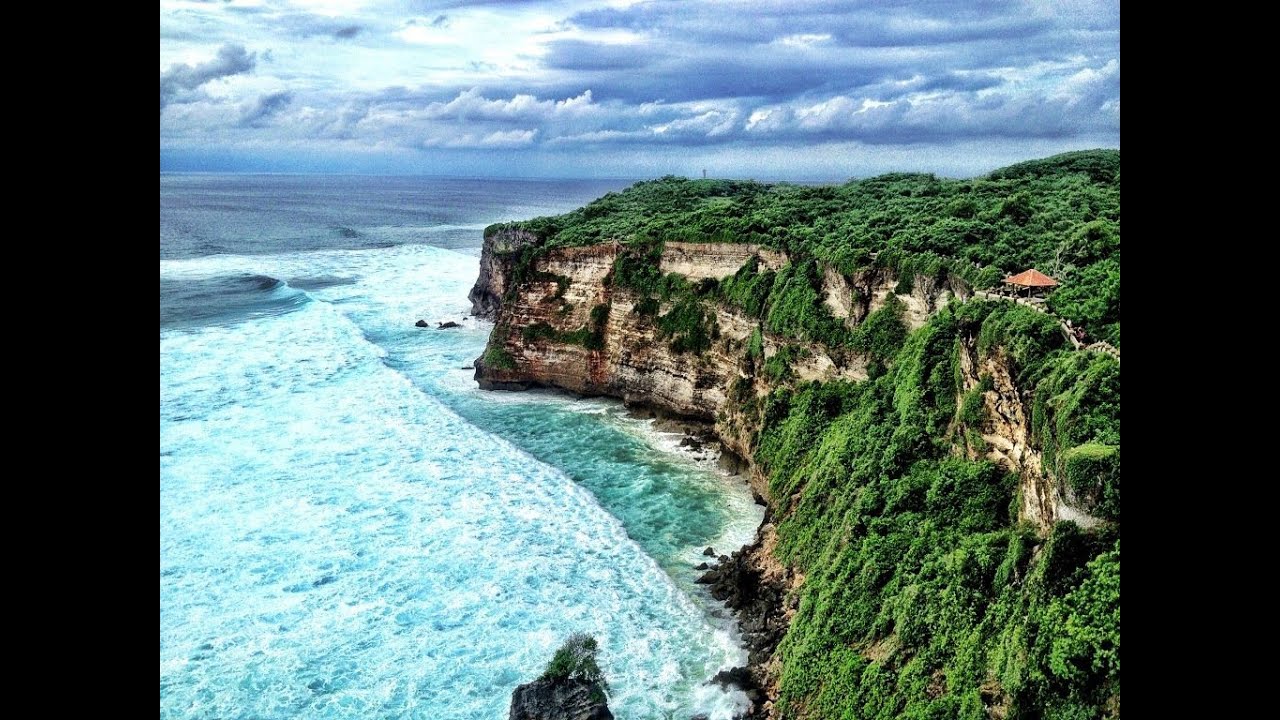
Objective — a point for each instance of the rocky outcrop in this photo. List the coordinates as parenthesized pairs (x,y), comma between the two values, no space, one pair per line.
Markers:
(559,700)
(760,591)
(853,298)
(497,257)
(715,260)
(1006,440)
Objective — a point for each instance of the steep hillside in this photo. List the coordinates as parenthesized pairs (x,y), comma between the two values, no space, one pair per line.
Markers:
(942,471)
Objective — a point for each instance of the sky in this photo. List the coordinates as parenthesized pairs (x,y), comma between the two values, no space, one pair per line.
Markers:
(793,89)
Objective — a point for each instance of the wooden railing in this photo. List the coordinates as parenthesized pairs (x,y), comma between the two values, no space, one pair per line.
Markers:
(1067,331)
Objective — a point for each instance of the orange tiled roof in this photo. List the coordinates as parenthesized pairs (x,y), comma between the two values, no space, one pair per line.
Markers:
(1031,278)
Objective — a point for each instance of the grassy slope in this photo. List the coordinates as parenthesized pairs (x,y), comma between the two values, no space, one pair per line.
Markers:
(924,598)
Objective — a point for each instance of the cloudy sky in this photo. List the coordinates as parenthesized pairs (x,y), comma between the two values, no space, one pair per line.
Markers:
(792,89)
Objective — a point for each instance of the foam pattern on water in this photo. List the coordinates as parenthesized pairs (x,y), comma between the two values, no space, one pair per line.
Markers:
(339,540)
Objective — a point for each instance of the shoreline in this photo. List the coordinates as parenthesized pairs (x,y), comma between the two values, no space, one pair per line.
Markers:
(747,582)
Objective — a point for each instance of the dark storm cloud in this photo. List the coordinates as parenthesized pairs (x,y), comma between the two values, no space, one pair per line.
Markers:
(262,109)
(231,60)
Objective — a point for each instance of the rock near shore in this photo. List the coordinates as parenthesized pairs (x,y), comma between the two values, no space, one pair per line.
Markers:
(756,588)
(559,700)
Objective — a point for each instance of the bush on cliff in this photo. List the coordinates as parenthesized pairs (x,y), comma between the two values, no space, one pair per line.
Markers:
(576,660)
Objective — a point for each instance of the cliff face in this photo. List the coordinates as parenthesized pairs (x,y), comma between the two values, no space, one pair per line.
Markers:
(1006,431)
(853,298)
(542,328)
(495,269)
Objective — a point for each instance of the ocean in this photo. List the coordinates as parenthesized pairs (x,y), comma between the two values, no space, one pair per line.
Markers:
(349,528)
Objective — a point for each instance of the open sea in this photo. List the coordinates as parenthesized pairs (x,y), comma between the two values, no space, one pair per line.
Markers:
(349,528)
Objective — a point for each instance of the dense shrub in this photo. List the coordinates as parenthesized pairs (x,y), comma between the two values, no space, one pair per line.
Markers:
(923,596)
(576,660)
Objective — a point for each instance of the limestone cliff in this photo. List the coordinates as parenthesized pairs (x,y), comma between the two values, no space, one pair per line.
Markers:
(544,327)
(1006,439)
(495,269)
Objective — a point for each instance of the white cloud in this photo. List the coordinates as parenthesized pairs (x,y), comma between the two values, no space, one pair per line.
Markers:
(480,141)
(804,40)
(472,104)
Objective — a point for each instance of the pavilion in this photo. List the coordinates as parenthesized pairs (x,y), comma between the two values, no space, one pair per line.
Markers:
(1033,281)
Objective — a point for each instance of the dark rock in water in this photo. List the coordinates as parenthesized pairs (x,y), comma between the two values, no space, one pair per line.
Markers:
(738,677)
(759,499)
(447,325)
(763,609)
(468,367)
(559,700)
(422,323)
(702,566)
(691,442)
(701,716)
(730,462)
(709,552)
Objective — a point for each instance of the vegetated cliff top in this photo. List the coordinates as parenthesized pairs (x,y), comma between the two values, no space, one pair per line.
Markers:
(1060,215)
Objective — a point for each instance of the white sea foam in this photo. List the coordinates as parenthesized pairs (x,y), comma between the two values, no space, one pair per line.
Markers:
(337,541)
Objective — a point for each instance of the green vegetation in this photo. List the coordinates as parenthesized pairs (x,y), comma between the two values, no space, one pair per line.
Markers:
(590,336)
(924,597)
(576,660)
(689,326)
(647,306)
(499,358)
(755,345)
(795,307)
(748,289)
(1060,215)
(637,265)
(882,333)
(496,355)
(778,367)
(1092,471)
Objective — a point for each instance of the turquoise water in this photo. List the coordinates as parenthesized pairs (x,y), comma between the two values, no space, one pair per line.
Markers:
(350,529)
